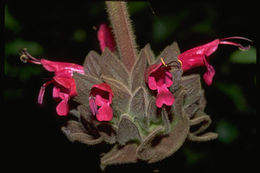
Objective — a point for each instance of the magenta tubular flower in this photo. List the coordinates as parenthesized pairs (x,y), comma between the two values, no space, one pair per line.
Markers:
(105,38)
(100,98)
(199,56)
(159,78)
(65,86)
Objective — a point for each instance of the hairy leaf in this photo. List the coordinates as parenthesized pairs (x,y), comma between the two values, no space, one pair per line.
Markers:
(193,87)
(151,111)
(166,121)
(91,65)
(76,132)
(156,146)
(148,53)
(119,155)
(83,86)
(107,132)
(112,67)
(121,97)
(177,77)
(127,130)
(138,104)
(203,138)
(178,103)
(170,53)
(145,150)
(201,120)
(137,75)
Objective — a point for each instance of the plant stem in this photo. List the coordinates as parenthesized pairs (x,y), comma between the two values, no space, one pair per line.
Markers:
(122,29)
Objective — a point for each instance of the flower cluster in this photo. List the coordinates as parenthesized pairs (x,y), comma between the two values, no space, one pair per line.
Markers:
(157,76)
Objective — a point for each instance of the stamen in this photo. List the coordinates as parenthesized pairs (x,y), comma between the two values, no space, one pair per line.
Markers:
(236,37)
(26,57)
(180,62)
(171,63)
(223,41)
(163,62)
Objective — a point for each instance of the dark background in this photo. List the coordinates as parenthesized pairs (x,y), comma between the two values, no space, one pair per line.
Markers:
(65,31)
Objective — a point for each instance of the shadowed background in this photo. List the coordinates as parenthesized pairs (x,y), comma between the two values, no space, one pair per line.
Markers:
(67,32)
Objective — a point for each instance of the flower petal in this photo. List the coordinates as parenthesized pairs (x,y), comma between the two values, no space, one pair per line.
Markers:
(105,38)
(62,108)
(42,91)
(164,96)
(168,79)
(105,113)
(209,74)
(104,87)
(92,105)
(56,92)
(63,69)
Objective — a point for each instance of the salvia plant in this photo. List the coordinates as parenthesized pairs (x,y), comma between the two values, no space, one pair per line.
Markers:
(140,104)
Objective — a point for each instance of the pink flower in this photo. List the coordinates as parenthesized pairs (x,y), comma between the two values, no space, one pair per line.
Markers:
(198,56)
(100,98)
(159,78)
(65,86)
(105,38)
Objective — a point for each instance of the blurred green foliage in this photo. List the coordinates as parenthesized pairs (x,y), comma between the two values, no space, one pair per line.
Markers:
(79,35)
(10,22)
(235,93)
(244,57)
(227,131)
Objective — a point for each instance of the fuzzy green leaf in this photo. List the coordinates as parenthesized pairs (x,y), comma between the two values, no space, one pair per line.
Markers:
(151,111)
(203,138)
(157,146)
(91,65)
(192,85)
(112,67)
(177,78)
(170,53)
(83,86)
(76,132)
(178,103)
(127,130)
(145,150)
(166,121)
(137,75)
(88,120)
(138,104)
(148,53)
(107,132)
(121,97)
(167,145)
(119,155)
(202,101)
(201,121)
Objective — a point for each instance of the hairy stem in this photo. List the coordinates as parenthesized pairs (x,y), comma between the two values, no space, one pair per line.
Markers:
(122,29)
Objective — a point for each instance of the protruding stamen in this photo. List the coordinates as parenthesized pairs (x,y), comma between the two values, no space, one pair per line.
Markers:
(180,62)
(163,62)
(26,57)
(223,41)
